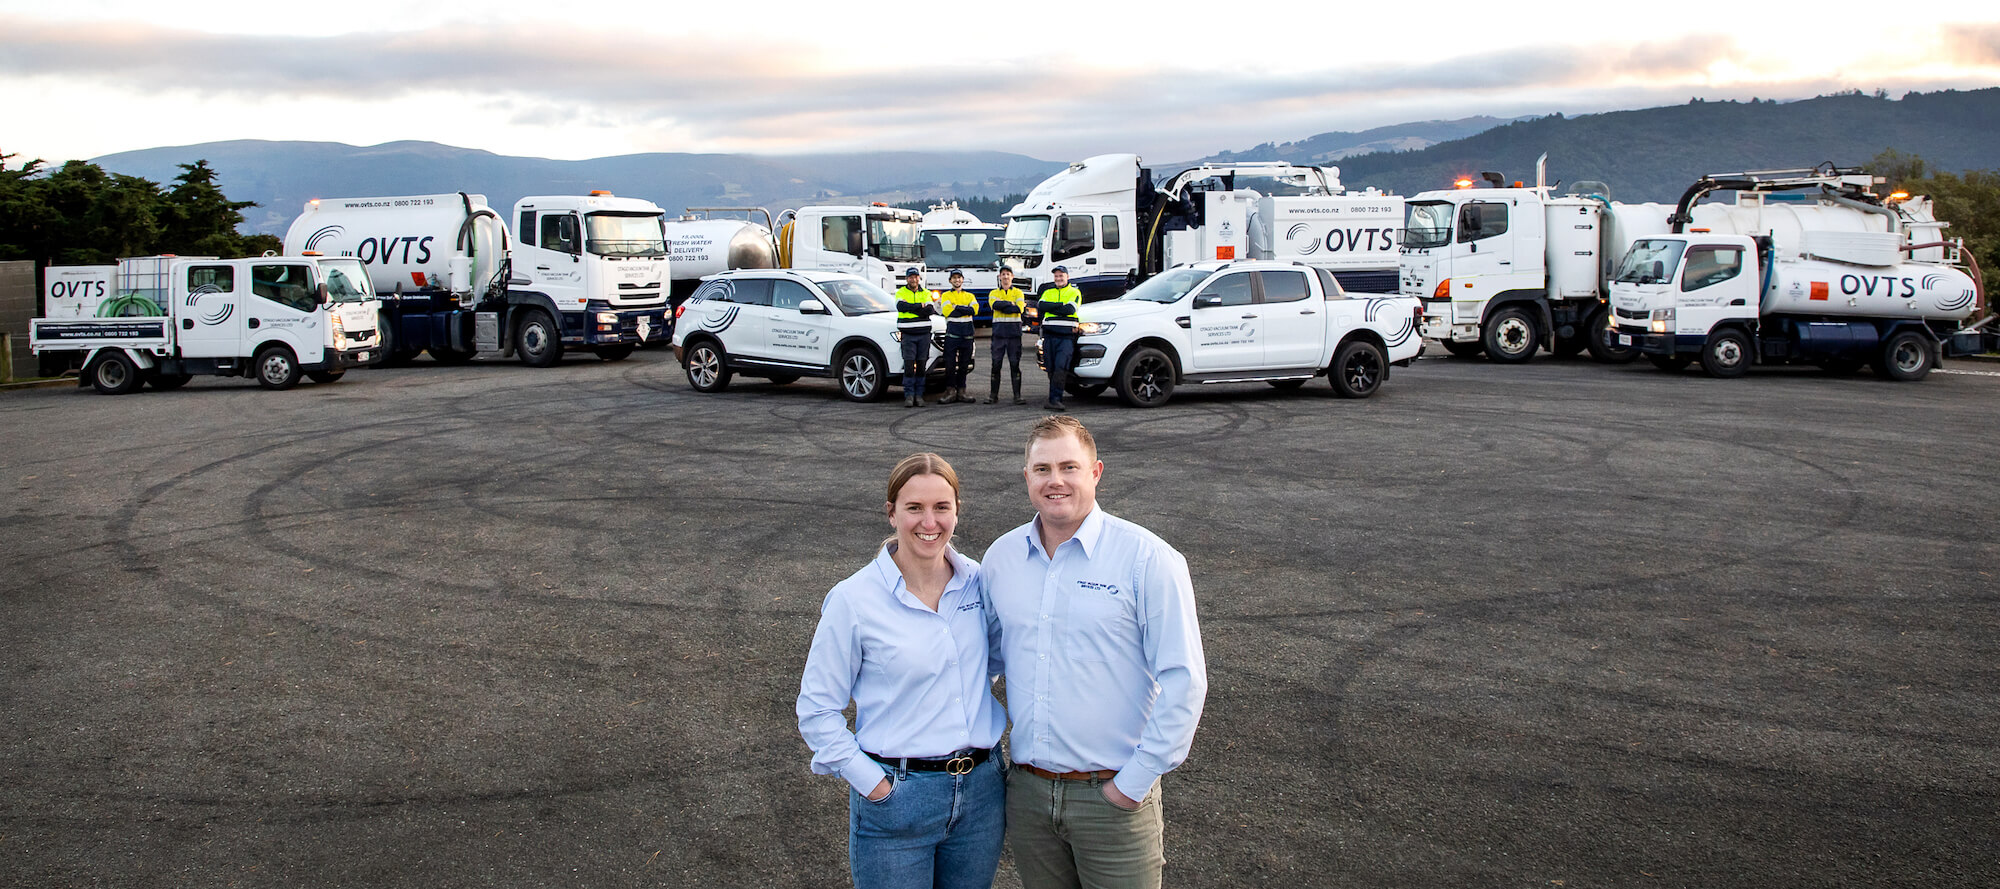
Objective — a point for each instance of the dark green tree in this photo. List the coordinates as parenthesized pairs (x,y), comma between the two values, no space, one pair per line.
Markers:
(1969,201)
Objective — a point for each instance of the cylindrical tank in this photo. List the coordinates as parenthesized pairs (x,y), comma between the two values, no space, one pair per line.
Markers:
(697,247)
(1625,223)
(433,244)
(1913,290)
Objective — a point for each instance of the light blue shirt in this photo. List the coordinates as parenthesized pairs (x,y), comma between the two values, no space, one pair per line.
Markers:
(1101,650)
(918,678)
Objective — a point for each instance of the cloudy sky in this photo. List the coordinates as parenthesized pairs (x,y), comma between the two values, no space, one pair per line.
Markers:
(1056,80)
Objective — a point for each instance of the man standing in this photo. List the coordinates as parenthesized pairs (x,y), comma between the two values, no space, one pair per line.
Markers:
(1058,310)
(1105,675)
(1005,301)
(914,308)
(959,307)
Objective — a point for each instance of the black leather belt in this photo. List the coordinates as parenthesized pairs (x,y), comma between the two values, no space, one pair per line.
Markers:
(956,764)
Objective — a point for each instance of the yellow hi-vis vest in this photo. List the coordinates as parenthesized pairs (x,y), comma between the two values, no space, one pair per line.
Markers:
(1009,295)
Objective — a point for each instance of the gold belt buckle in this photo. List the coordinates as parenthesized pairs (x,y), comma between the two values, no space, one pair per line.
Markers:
(959,765)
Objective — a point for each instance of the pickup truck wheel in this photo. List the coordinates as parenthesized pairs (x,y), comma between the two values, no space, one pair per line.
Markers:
(538,340)
(1358,369)
(1084,390)
(1603,342)
(1906,358)
(325,376)
(1286,385)
(167,382)
(115,374)
(862,377)
(615,353)
(1726,355)
(276,368)
(1462,350)
(707,368)
(1670,362)
(1511,337)
(1145,378)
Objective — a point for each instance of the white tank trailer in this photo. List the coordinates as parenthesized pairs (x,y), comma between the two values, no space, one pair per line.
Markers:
(697,247)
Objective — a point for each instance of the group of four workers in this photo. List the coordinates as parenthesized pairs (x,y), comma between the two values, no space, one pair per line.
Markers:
(915,305)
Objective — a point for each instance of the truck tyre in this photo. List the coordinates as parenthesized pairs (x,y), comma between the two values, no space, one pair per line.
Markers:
(1670,362)
(168,382)
(615,353)
(862,376)
(325,376)
(707,368)
(1906,358)
(1603,341)
(276,368)
(115,374)
(1359,368)
(393,353)
(1727,354)
(449,355)
(539,341)
(1145,378)
(1511,337)
(1462,350)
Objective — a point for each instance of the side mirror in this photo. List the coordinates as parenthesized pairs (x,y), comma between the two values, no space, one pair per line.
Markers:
(1208,301)
(812,307)
(324,296)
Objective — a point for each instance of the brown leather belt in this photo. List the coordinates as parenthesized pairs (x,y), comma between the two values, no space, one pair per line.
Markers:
(1099,775)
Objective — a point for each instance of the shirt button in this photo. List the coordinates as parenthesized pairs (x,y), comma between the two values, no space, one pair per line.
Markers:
(1045,657)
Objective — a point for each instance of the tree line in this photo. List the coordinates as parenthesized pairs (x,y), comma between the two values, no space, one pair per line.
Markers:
(1969,201)
(79,214)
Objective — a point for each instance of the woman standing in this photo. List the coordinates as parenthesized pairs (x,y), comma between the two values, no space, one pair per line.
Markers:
(905,638)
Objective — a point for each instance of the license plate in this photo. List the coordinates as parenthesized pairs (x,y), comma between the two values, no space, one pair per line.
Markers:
(363,356)
(1624,340)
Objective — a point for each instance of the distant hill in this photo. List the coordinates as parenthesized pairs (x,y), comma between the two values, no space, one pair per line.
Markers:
(1328,148)
(282,176)
(1655,153)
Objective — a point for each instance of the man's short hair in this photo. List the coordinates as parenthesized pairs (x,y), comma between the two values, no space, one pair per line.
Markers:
(1059,425)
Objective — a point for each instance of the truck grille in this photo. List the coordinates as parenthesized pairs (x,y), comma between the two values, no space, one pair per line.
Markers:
(1636,315)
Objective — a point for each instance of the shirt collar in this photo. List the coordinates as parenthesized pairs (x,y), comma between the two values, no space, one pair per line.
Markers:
(891,577)
(1087,534)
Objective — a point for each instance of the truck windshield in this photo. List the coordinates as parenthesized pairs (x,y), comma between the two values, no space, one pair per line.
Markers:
(894,240)
(858,297)
(346,281)
(1427,224)
(1650,261)
(1025,236)
(625,235)
(960,249)
(1168,286)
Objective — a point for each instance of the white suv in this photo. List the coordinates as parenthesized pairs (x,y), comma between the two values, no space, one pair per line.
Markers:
(783,324)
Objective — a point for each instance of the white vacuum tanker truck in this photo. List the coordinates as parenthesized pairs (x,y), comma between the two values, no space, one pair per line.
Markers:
(1841,279)
(1106,221)
(588,272)
(876,242)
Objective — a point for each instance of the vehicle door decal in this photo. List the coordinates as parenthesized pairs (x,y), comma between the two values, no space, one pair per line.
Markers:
(214,316)
(720,323)
(1405,326)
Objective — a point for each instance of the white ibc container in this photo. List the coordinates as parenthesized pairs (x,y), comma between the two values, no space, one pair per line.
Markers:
(445,243)
(1909,290)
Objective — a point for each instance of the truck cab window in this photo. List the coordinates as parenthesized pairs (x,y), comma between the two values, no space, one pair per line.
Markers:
(211,279)
(1708,266)
(1479,220)
(1110,232)
(559,233)
(1283,287)
(288,285)
(1075,236)
(841,234)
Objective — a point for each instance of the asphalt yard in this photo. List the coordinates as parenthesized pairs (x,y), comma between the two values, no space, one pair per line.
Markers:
(1558,624)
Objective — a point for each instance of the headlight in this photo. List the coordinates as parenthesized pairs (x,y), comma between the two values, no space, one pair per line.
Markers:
(607,317)
(1663,320)
(1092,328)
(339,328)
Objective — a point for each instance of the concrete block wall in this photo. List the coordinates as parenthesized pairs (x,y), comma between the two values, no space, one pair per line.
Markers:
(18,303)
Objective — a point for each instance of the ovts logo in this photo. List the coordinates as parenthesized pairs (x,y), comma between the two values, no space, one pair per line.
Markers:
(388,249)
(213,316)
(1339,240)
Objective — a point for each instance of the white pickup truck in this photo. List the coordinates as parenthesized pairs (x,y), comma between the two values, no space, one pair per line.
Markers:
(1282,323)
(273,319)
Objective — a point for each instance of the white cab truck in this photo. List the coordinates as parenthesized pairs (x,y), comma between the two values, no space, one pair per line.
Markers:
(1282,323)
(1841,279)
(1509,270)
(1106,221)
(955,239)
(576,272)
(783,324)
(273,319)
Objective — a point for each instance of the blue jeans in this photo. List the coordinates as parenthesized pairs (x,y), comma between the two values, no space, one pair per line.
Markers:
(1057,353)
(957,359)
(933,830)
(916,361)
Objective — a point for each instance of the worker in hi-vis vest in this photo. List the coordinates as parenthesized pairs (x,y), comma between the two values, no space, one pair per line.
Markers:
(1006,303)
(1057,306)
(959,307)
(914,308)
